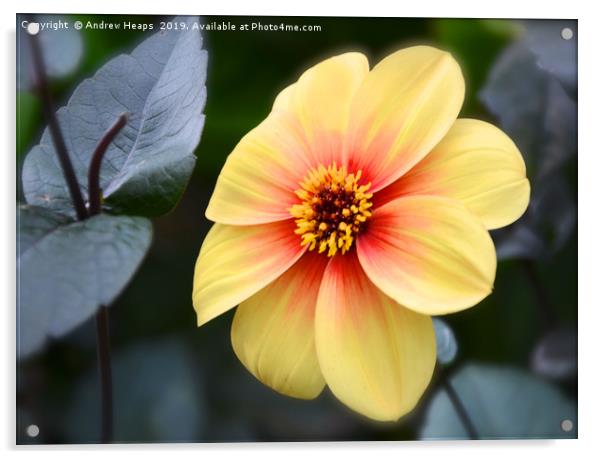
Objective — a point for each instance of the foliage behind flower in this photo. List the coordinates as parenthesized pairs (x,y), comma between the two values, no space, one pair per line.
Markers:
(357,209)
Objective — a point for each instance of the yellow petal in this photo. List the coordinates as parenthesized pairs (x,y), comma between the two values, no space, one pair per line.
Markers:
(429,253)
(477,164)
(321,99)
(404,107)
(377,357)
(257,183)
(236,262)
(273,331)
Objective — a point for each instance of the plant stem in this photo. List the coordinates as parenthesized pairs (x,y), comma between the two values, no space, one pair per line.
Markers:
(55,130)
(103,348)
(102,316)
(94,191)
(458,405)
(103,335)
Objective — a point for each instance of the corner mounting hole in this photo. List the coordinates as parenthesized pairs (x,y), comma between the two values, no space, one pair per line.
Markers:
(566,33)
(33,430)
(566,425)
(33,28)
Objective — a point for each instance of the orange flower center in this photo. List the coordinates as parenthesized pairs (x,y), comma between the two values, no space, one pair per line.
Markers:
(334,208)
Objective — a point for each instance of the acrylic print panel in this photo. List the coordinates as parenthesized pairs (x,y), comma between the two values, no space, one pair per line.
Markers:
(295,229)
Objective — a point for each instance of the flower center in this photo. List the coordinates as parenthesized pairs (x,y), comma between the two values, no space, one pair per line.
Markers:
(334,209)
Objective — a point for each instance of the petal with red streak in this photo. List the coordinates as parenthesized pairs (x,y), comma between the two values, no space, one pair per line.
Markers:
(376,356)
(273,331)
(236,262)
(403,108)
(475,163)
(429,253)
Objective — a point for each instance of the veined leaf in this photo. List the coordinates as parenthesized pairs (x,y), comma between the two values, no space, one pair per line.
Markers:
(68,269)
(161,85)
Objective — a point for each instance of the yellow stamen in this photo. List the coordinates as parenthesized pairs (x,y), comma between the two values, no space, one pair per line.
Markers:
(334,208)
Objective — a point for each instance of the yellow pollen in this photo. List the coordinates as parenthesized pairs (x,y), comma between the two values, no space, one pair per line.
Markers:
(333,209)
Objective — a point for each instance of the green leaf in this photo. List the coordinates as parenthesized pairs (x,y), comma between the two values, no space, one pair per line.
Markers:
(503,403)
(68,269)
(161,85)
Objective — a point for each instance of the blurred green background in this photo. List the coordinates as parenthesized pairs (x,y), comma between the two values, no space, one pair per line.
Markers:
(174,382)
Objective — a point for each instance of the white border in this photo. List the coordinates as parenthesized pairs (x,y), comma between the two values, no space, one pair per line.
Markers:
(424,8)
(590,228)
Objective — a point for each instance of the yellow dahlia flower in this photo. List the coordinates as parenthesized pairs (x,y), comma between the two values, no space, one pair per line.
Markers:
(356,210)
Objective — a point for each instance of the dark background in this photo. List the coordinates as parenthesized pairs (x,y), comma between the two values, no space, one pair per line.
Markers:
(175,382)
